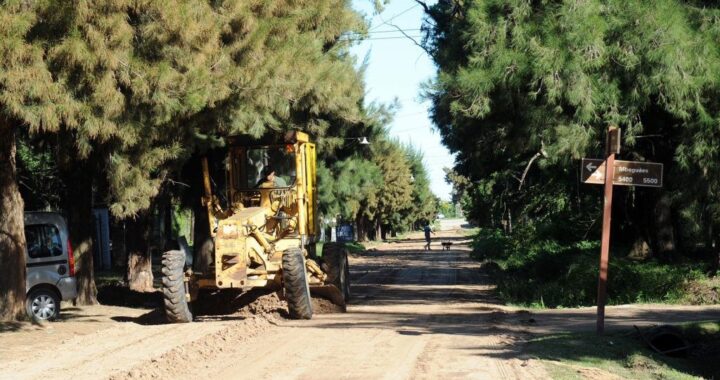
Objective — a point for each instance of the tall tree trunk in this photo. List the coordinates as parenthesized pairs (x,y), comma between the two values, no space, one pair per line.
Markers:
(118,237)
(712,246)
(139,274)
(358,227)
(664,229)
(365,228)
(79,175)
(361,227)
(12,232)
(80,219)
(378,229)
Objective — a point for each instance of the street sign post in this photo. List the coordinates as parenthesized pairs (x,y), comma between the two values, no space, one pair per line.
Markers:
(626,173)
(609,172)
(612,135)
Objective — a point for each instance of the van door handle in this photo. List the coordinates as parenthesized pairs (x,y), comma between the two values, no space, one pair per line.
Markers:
(62,270)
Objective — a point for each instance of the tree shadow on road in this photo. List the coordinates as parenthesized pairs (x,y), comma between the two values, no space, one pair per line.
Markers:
(435,240)
(67,314)
(393,286)
(153,317)
(117,295)
(12,326)
(529,335)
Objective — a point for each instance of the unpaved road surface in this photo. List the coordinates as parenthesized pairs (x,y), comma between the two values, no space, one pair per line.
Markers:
(415,315)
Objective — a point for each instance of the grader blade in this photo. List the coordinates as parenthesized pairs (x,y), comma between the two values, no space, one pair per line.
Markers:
(329,292)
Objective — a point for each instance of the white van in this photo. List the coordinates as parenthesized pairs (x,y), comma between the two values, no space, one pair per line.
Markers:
(50,265)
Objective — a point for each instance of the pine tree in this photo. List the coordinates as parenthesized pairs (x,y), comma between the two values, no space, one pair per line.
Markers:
(533,85)
(133,89)
(30,98)
(142,85)
(425,204)
(395,201)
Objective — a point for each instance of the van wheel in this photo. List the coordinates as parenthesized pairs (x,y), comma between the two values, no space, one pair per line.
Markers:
(43,305)
(177,309)
(297,290)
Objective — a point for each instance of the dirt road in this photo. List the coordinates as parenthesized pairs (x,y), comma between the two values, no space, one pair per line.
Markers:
(415,315)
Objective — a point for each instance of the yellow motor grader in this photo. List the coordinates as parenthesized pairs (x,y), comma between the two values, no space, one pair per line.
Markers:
(265,235)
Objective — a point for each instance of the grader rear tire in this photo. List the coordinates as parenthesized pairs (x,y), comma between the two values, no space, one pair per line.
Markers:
(335,264)
(297,290)
(177,309)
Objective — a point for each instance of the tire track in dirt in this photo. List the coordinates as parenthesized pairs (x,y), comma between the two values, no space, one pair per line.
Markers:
(190,360)
(105,351)
(418,314)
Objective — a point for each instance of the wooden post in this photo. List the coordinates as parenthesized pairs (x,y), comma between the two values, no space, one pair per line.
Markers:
(611,148)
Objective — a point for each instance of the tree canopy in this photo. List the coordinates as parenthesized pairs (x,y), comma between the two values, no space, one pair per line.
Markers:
(519,79)
(526,89)
(118,95)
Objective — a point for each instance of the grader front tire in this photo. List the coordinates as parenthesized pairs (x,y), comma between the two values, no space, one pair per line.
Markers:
(177,309)
(297,291)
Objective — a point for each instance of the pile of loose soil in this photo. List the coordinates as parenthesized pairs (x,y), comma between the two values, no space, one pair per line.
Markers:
(183,359)
(323,306)
(255,302)
(237,303)
(266,304)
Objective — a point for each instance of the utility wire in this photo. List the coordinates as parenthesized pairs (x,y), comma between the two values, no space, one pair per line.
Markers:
(408,114)
(394,17)
(413,129)
(388,31)
(373,39)
(360,39)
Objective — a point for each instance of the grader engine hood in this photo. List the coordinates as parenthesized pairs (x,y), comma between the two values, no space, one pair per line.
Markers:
(239,254)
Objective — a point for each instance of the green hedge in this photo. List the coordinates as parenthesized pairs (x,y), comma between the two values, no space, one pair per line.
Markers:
(548,272)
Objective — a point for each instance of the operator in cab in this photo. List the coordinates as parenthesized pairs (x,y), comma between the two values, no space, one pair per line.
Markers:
(270,180)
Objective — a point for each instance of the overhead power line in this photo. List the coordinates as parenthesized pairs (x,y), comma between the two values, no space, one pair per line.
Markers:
(408,114)
(394,17)
(377,38)
(389,31)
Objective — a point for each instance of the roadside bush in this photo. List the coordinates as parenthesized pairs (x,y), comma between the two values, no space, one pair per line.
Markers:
(702,291)
(490,244)
(547,272)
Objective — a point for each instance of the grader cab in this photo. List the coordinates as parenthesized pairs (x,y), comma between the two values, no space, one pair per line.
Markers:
(265,234)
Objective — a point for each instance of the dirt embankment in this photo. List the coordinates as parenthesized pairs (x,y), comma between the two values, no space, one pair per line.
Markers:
(187,358)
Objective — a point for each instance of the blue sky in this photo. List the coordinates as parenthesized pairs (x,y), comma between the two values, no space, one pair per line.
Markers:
(396,70)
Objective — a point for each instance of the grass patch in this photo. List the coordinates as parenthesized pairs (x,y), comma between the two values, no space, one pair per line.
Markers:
(472,231)
(400,236)
(702,291)
(352,247)
(701,332)
(546,272)
(109,277)
(355,247)
(583,355)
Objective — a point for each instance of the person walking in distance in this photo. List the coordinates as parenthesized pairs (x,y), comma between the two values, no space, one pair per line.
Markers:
(428,231)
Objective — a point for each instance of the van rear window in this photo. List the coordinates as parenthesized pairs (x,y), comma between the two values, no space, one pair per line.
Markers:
(43,240)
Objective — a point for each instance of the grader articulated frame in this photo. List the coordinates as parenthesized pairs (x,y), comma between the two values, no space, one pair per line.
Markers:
(265,236)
